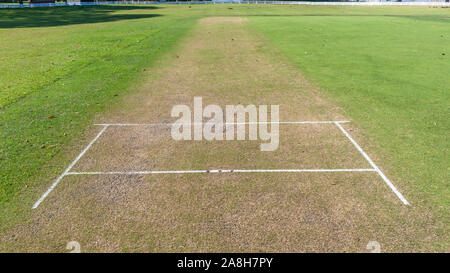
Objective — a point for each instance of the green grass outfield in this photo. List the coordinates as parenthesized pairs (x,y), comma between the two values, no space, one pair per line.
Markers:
(391,73)
(387,67)
(67,63)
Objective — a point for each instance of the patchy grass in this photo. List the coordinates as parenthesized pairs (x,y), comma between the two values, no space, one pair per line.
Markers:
(228,212)
(386,66)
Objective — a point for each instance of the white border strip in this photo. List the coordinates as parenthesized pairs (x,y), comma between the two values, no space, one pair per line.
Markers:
(225,123)
(223,171)
(386,180)
(50,189)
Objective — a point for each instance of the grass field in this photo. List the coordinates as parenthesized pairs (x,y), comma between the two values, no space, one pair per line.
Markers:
(390,73)
(386,68)
(67,63)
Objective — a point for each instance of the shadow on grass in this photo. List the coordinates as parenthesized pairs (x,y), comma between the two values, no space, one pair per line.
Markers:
(59,16)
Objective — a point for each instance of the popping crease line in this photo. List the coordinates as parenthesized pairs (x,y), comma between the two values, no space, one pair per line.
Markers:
(220,171)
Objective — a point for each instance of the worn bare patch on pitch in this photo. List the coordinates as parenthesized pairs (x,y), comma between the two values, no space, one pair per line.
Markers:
(145,148)
(223,212)
(224,64)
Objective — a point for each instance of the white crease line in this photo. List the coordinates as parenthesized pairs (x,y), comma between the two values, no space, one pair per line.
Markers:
(386,180)
(50,189)
(225,123)
(223,171)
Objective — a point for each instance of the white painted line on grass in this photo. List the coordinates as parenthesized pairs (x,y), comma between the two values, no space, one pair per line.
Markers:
(225,123)
(386,180)
(50,189)
(223,171)
(106,125)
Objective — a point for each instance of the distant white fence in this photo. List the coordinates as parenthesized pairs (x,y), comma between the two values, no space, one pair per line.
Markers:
(228,2)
